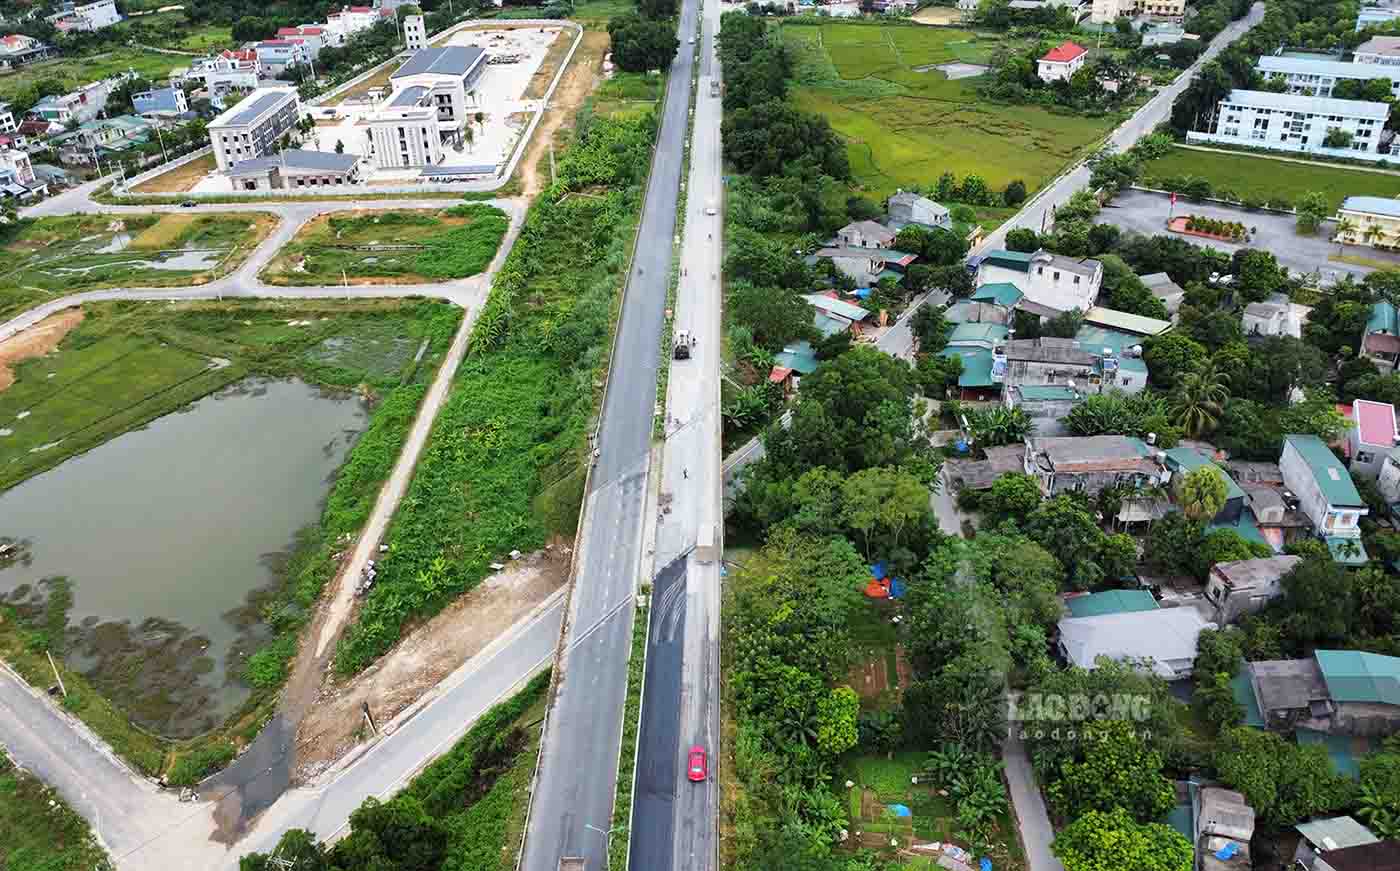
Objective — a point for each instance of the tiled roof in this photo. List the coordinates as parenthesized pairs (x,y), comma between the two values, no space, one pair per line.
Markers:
(1064,52)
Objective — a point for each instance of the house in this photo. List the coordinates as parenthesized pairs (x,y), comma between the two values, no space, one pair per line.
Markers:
(1161,641)
(1388,480)
(907,208)
(1109,11)
(1120,358)
(276,56)
(1276,316)
(160,102)
(311,37)
(973,344)
(835,315)
(1110,602)
(352,19)
(1061,62)
(294,168)
(415,33)
(1318,78)
(89,16)
(17,177)
(433,94)
(866,266)
(1222,827)
(1169,292)
(7,118)
(1322,837)
(794,361)
(865,234)
(1381,50)
(254,126)
(1377,856)
(101,136)
(1373,221)
(1125,322)
(1334,692)
(1164,34)
(1046,405)
(1089,464)
(1372,437)
(1241,587)
(1326,495)
(1380,340)
(1289,122)
(1042,361)
(1181,461)
(1054,283)
(81,105)
(16,49)
(1374,16)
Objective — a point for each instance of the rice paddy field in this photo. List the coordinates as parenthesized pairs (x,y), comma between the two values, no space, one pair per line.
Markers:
(906,122)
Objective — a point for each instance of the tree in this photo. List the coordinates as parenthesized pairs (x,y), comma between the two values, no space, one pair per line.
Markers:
(1012,496)
(1014,194)
(1113,770)
(1336,138)
(640,44)
(1258,273)
(884,499)
(1199,399)
(1022,239)
(251,28)
(997,426)
(1064,527)
(297,846)
(1279,365)
(339,147)
(769,138)
(1100,840)
(775,315)
(1170,357)
(836,721)
(937,246)
(658,9)
(1318,605)
(1283,782)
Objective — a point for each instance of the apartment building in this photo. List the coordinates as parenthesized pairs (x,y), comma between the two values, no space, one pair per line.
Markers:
(1289,122)
(312,37)
(1383,50)
(17,49)
(276,56)
(341,25)
(415,33)
(1318,78)
(433,94)
(253,127)
(160,102)
(1373,221)
(89,16)
(1108,11)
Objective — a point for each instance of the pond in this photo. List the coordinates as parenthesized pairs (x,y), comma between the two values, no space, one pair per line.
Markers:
(167,534)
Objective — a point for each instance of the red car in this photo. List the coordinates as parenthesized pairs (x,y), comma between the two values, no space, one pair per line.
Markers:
(695,769)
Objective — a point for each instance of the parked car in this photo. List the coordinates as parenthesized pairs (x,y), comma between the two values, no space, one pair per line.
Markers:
(696,768)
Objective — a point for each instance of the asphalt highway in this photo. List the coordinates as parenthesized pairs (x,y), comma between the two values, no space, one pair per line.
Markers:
(573,801)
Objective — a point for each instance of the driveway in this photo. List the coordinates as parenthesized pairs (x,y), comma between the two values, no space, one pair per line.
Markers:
(1146,212)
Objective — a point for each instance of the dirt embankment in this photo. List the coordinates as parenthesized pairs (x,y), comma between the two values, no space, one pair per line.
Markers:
(584,74)
(334,723)
(36,341)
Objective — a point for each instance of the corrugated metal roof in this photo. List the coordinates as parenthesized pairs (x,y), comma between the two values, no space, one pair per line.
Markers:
(1046,392)
(976,363)
(1244,695)
(1017,260)
(1143,326)
(838,307)
(1383,319)
(798,356)
(1002,293)
(447,60)
(1166,636)
(974,333)
(1356,676)
(1190,460)
(1332,478)
(1336,833)
(1110,602)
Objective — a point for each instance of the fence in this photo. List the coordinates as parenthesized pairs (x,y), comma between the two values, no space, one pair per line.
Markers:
(162,169)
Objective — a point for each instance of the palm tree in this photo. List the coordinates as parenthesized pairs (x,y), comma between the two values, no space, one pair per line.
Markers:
(1199,398)
(1373,234)
(1345,227)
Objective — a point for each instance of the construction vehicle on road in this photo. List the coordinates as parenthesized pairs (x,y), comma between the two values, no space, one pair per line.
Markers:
(681,349)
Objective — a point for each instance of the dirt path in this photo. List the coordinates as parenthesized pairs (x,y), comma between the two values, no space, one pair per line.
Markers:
(36,341)
(419,662)
(584,74)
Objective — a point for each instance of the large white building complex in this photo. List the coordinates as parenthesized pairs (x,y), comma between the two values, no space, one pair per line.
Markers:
(1383,50)
(1318,78)
(1108,11)
(253,126)
(1288,122)
(433,95)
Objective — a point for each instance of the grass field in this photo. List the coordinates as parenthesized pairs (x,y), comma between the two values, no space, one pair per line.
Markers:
(596,13)
(629,94)
(39,831)
(1250,175)
(905,127)
(403,246)
(53,256)
(206,38)
(180,179)
(78,71)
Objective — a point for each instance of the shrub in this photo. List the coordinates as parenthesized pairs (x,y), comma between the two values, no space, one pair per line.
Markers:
(194,767)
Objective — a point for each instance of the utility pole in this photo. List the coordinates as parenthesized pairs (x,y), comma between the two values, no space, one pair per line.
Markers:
(552,179)
(58,677)
(373,729)
(165,158)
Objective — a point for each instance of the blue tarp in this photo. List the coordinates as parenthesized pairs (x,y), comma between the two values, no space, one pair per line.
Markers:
(862,293)
(986,864)
(900,810)
(896,588)
(1227,851)
(877,571)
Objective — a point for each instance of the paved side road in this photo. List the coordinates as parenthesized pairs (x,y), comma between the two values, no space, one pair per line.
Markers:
(1031,816)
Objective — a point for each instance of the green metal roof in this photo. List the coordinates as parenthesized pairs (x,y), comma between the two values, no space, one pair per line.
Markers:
(1191,459)
(977,366)
(799,357)
(1244,695)
(1342,832)
(1179,818)
(1111,602)
(1247,527)
(1342,750)
(1331,476)
(1347,550)
(1094,339)
(1001,293)
(1383,319)
(973,333)
(1047,392)
(1017,260)
(1354,676)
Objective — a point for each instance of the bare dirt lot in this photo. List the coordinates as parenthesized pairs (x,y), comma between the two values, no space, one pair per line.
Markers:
(180,179)
(434,650)
(938,15)
(583,76)
(36,341)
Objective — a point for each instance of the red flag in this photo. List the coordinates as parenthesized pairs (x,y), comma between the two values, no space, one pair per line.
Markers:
(1173,197)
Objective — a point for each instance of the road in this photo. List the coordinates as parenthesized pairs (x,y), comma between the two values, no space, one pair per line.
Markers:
(674,821)
(576,785)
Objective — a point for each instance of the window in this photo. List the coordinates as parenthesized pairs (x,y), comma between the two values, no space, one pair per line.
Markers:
(1076,279)
(1040,270)
(1365,457)
(1057,275)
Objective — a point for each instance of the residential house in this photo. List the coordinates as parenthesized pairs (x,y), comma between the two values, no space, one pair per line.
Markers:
(1223,826)
(866,266)
(81,105)
(907,208)
(1164,34)
(1046,405)
(1334,692)
(415,33)
(834,315)
(294,168)
(1241,587)
(1388,480)
(1373,221)
(7,118)
(1161,641)
(1120,357)
(1321,838)
(341,25)
(162,102)
(254,126)
(17,177)
(1109,602)
(102,136)
(1372,436)
(1125,322)
(981,474)
(1326,495)
(789,365)
(88,16)
(433,93)
(1109,11)
(865,234)
(1181,461)
(312,38)
(1378,856)
(1380,340)
(1374,16)
(1289,122)
(1051,284)
(1001,293)
(1382,50)
(1089,464)
(16,49)
(1061,62)
(1276,316)
(276,56)
(973,343)
(1318,78)
(1169,292)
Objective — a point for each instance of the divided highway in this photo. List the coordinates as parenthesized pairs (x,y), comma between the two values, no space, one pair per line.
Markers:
(572,807)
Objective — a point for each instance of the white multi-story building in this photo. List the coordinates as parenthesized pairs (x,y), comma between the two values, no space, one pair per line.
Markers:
(1326,494)
(1288,122)
(81,105)
(1318,78)
(1051,284)
(415,32)
(7,119)
(89,16)
(1383,50)
(352,19)
(276,56)
(1062,62)
(253,127)
(1108,11)
(160,102)
(311,36)
(433,93)
(1371,16)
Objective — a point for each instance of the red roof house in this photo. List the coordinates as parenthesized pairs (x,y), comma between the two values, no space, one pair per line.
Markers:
(1064,52)
(1062,61)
